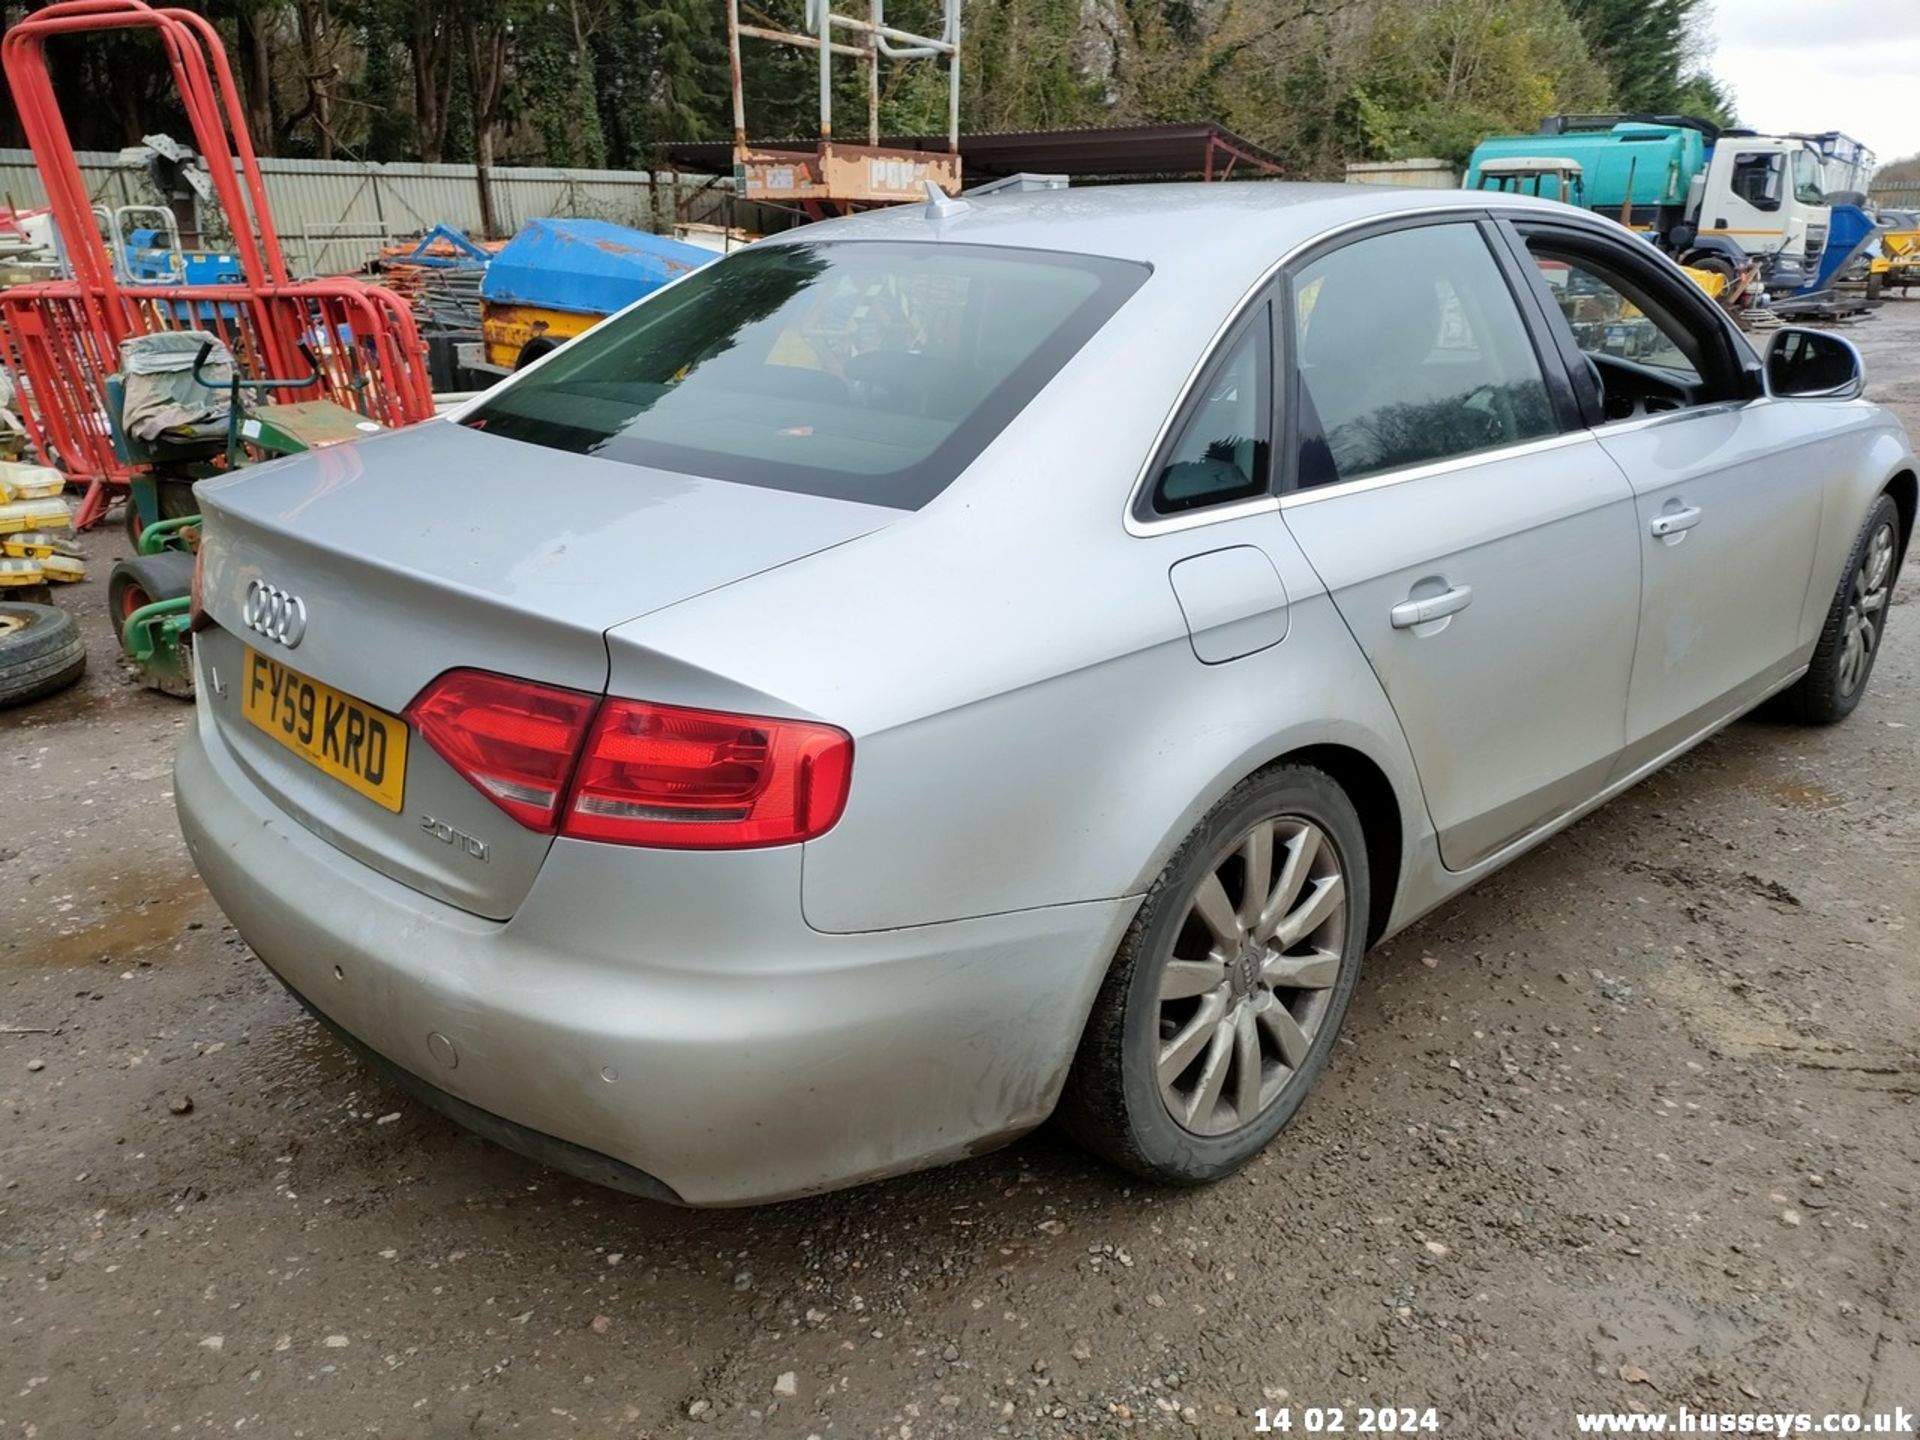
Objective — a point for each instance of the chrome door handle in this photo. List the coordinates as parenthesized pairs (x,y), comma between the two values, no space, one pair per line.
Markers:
(1409,613)
(1672,522)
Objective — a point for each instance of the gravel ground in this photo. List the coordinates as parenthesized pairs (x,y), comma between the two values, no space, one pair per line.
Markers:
(1630,1126)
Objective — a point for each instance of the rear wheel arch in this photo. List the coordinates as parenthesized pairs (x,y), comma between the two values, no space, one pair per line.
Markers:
(1905,490)
(1365,783)
(1372,794)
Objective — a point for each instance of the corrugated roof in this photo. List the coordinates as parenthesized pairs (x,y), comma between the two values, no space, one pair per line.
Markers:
(1108,151)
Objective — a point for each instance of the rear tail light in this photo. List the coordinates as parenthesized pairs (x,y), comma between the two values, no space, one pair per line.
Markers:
(635,773)
(513,742)
(698,779)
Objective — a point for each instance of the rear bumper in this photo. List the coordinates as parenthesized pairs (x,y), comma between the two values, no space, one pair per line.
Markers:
(662,1021)
(547,1149)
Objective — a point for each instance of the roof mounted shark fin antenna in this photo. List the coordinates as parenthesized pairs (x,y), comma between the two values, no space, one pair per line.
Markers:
(942,206)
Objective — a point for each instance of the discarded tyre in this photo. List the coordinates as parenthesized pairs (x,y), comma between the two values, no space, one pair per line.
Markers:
(41,652)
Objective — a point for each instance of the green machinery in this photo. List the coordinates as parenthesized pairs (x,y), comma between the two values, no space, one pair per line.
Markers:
(150,594)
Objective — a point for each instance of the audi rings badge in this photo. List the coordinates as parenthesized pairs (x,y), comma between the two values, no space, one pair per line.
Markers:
(272,612)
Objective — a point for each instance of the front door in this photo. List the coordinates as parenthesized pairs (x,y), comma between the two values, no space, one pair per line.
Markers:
(1727,490)
(1478,542)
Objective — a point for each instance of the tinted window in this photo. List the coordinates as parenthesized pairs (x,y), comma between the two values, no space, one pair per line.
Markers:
(1222,447)
(1757,179)
(1412,350)
(863,371)
(1610,315)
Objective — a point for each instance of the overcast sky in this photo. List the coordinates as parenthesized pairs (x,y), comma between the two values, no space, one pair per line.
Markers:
(1813,65)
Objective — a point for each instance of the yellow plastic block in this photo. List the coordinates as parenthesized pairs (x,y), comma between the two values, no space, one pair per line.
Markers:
(29,545)
(19,481)
(51,514)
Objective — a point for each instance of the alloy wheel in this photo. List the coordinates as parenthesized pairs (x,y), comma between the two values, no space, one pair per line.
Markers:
(1250,977)
(1866,609)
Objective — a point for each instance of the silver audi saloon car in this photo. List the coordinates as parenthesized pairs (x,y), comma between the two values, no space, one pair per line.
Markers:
(969,663)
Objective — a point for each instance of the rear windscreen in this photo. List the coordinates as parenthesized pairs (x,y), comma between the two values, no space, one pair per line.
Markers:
(854,369)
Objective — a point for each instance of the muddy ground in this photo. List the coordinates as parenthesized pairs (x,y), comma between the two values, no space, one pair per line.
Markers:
(1631,1126)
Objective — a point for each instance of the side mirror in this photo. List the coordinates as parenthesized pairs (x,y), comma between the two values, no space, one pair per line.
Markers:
(1814,365)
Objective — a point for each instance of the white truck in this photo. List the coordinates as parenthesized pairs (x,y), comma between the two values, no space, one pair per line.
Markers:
(1710,197)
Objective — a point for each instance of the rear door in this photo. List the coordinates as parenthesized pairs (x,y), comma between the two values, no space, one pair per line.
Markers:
(1478,542)
(1727,488)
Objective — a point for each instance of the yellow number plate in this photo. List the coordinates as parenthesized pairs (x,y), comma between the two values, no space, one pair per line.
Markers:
(363,748)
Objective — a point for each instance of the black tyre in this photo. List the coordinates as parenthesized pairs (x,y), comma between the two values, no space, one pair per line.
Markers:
(140,581)
(1855,625)
(534,349)
(145,579)
(1229,989)
(41,652)
(175,501)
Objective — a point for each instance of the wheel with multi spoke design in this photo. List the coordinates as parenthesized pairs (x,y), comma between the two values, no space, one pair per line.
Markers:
(1226,995)
(1251,975)
(1867,596)
(1856,623)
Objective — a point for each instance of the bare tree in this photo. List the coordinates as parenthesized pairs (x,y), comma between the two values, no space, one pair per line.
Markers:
(488,35)
(434,44)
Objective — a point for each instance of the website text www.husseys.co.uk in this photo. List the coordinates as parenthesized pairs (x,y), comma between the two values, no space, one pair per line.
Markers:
(1897,1421)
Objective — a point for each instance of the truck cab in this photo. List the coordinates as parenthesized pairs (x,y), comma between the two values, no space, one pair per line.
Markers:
(1703,194)
(1764,192)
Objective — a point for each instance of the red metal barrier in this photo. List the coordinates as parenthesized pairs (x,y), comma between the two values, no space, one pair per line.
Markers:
(62,338)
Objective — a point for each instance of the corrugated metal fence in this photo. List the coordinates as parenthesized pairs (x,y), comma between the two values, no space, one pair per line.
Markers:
(1897,197)
(334,214)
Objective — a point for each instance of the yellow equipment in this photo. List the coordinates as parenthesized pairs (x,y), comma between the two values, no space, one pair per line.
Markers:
(508,329)
(1711,281)
(1898,262)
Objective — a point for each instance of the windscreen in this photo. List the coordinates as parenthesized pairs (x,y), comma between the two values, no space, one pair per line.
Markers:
(858,370)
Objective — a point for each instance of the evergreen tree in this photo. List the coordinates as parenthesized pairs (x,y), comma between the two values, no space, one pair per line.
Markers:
(1648,48)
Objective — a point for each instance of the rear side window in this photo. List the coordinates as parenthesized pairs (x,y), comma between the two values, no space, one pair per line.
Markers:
(858,370)
(1411,350)
(1222,449)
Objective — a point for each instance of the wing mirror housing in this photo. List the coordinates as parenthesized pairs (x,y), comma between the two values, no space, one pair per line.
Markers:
(1814,365)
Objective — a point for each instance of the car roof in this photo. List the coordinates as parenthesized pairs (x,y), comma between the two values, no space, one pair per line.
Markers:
(1234,225)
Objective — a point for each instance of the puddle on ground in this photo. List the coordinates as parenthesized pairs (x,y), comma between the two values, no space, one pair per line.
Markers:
(1803,795)
(121,934)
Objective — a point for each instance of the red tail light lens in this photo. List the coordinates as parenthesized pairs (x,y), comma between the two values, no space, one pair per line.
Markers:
(514,741)
(699,779)
(634,773)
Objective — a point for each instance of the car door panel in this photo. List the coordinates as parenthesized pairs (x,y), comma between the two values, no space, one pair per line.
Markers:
(1513,705)
(1477,541)
(1722,599)
(1727,486)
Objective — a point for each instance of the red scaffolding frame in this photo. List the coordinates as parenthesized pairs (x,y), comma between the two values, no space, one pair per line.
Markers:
(62,337)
